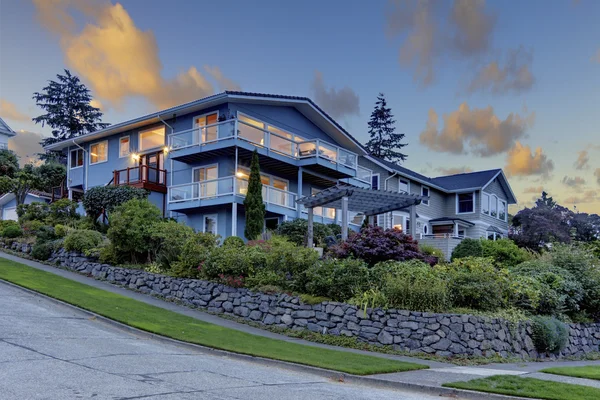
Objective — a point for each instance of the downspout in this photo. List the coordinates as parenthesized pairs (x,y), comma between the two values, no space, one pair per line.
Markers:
(385,187)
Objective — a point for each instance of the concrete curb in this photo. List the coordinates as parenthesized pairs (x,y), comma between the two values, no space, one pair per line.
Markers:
(324,373)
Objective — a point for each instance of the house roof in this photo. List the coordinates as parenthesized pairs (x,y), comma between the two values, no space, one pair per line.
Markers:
(451,220)
(492,228)
(303,104)
(467,180)
(6,197)
(5,129)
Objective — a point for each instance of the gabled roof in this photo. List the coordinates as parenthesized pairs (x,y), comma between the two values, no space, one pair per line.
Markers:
(303,104)
(467,180)
(5,129)
(6,197)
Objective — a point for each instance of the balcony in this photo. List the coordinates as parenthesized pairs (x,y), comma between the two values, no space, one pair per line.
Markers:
(236,132)
(143,176)
(224,190)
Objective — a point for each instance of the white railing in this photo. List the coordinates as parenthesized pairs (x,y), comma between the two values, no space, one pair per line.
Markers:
(364,174)
(442,236)
(228,186)
(238,129)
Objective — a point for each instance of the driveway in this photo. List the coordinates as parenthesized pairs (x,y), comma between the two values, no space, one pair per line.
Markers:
(50,351)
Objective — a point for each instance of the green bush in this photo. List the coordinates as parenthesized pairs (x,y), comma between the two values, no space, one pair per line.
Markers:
(234,241)
(295,231)
(431,251)
(131,226)
(372,298)
(7,222)
(414,285)
(504,252)
(107,198)
(339,280)
(169,237)
(63,211)
(476,283)
(265,277)
(82,240)
(45,233)
(549,334)
(11,231)
(233,262)
(35,211)
(468,248)
(285,257)
(32,226)
(42,250)
(194,253)
(61,230)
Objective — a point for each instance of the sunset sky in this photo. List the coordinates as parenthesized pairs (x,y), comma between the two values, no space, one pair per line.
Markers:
(473,84)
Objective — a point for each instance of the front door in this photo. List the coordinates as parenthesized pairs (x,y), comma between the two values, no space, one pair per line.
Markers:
(208,184)
(154,166)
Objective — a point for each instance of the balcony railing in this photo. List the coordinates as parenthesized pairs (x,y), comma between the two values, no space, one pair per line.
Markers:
(139,175)
(442,236)
(238,129)
(227,186)
(364,174)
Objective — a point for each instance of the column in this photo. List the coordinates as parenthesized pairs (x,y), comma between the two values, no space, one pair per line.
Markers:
(234,217)
(309,235)
(456,229)
(413,221)
(344,218)
(298,206)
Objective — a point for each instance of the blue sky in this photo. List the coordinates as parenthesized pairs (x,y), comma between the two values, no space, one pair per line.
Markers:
(551,86)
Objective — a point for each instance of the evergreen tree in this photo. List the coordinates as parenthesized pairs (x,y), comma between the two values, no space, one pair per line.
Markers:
(384,141)
(68,109)
(255,208)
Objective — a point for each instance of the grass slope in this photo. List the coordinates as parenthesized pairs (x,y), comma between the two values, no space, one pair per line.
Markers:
(171,324)
(589,372)
(528,387)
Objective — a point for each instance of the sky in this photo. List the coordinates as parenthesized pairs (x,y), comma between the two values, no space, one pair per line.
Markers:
(473,84)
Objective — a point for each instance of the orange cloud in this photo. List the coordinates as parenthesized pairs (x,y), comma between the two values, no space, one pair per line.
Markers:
(589,196)
(118,59)
(26,145)
(522,162)
(582,160)
(597,175)
(534,189)
(573,182)
(454,170)
(514,76)
(9,111)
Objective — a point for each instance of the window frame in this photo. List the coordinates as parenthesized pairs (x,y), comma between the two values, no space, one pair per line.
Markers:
(407,185)
(426,202)
(378,181)
(494,200)
(90,152)
(474,203)
(500,201)
(488,213)
(128,137)
(82,158)
(140,149)
(216,218)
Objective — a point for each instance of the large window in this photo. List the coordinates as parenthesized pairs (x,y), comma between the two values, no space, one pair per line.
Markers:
(494,206)
(425,192)
(502,210)
(397,222)
(99,152)
(375,181)
(152,138)
(210,224)
(76,158)
(207,133)
(403,186)
(485,203)
(124,147)
(466,203)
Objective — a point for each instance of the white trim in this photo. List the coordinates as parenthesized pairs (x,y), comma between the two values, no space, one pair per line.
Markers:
(139,145)
(90,153)
(216,218)
(408,185)
(129,147)
(82,158)
(488,203)
(501,172)
(378,180)
(474,203)
(428,195)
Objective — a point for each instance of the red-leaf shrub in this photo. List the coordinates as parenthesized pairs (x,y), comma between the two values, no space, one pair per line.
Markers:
(374,244)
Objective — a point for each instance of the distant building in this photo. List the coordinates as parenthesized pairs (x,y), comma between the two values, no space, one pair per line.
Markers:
(5,133)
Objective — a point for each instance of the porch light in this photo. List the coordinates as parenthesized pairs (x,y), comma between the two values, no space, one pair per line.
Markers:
(166,149)
(135,156)
(240,174)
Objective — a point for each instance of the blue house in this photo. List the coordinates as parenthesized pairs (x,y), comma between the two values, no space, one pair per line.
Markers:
(195,158)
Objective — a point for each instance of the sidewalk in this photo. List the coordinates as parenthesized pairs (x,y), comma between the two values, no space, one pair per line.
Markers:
(438,374)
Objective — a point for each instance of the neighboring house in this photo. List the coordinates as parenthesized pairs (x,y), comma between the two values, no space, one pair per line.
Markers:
(5,133)
(8,203)
(473,205)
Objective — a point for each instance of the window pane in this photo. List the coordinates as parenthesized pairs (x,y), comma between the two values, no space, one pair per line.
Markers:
(425,192)
(152,138)
(124,147)
(485,203)
(210,224)
(403,186)
(375,182)
(465,202)
(98,152)
(502,210)
(397,222)
(493,206)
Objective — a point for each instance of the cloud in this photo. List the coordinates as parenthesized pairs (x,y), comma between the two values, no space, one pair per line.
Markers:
(589,196)
(118,59)
(596,57)
(223,82)
(454,170)
(520,161)
(583,159)
(534,189)
(514,76)
(597,175)
(9,110)
(573,182)
(338,103)
(429,31)
(477,130)
(98,104)
(26,145)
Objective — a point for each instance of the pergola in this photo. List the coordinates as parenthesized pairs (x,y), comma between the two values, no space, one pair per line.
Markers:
(369,202)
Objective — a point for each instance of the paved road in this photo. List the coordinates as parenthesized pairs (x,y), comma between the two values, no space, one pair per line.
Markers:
(50,351)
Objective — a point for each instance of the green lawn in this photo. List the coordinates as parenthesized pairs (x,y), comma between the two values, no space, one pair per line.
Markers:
(171,324)
(589,372)
(529,387)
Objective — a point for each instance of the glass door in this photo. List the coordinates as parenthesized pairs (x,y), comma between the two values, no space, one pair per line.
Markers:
(206,133)
(202,175)
(154,163)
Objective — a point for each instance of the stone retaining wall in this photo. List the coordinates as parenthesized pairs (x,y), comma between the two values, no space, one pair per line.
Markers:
(440,334)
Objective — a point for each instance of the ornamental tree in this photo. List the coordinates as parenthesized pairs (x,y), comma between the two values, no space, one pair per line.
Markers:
(253,203)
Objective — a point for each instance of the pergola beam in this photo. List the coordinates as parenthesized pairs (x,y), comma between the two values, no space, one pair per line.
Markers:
(326,198)
(391,207)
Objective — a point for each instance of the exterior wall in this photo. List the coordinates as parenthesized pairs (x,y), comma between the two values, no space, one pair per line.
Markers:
(446,245)
(12,204)
(3,141)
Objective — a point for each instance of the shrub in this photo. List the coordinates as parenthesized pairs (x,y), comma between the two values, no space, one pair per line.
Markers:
(45,233)
(372,298)
(194,253)
(339,280)
(429,250)
(265,277)
(234,241)
(32,226)
(12,231)
(415,286)
(61,230)
(287,258)
(374,244)
(131,227)
(504,252)
(295,231)
(549,334)
(7,222)
(107,198)
(63,211)
(36,211)
(468,248)
(42,250)
(169,237)
(233,261)
(82,240)
(476,283)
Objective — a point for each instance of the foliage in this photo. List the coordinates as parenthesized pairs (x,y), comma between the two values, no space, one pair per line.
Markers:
(45,233)
(194,253)
(413,285)
(504,252)
(63,211)
(286,258)
(61,230)
(233,261)
(31,227)
(32,177)
(339,280)
(35,211)
(372,298)
(9,163)
(468,248)
(384,141)
(253,203)
(265,277)
(429,250)
(42,250)
(296,230)
(233,241)
(476,283)
(101,199)
(82,240)
(169,237)
(68,109)
(11,231)
(549,334)
(131,227)
(373,244)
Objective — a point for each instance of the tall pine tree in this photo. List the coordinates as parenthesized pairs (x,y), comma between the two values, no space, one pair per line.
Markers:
(253,203)
(384,142)
(68,109)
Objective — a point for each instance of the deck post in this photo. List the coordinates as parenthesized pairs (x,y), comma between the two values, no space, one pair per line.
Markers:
(344,218)
(413,221)
(309,236)
(298,206)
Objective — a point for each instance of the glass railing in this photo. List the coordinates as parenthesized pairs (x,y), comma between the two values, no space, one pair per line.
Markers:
(270,194)
(364,174)
(202,135)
